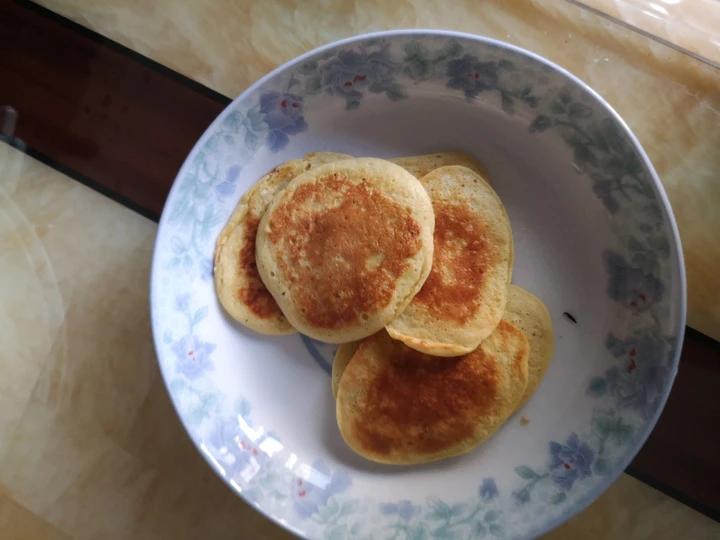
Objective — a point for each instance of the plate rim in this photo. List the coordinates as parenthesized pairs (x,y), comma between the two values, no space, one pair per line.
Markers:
(677,256)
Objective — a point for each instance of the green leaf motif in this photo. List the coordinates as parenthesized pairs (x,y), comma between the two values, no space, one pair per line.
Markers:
(458,509)
(417,65)
(177,245)
(608,425)
(254,120)
(415,49)
(600,466)
(634,244)
(443,533)
(418,532)
(199,315)
(507,103)
(660,244)
(601,425)
(614,345)
(522,496)
(621,433)
(313,85)
(349,507)
(440,510)
(540,124)
(395,92)
(177,385)
(213,143)
(578,110)
(478,531)
(233,121)
(251,140)
(308,68)
(328,512)
(597,387)
(526,472)
(337,532)
(199,411)
(450,50)
(557,107)
(583,155)
(242,407)
(492,516)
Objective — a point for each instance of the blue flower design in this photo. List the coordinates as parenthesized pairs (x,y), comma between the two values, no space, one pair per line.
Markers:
(621,159)
(227,186)
(471,75)
(570,461)
(352,72)
(310,494)
(488,489)
(404,509)
(234,451)
(182,302)
(206,268)
(193,356)
(181,254)
(283,114)
(636,289)
(614,165)
(639,382)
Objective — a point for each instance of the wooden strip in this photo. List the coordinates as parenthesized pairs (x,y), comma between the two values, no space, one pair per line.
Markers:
(682,455)
(123,124)
(111,119)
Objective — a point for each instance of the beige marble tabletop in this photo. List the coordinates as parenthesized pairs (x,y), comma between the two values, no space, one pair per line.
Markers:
(692,25)
(90,446)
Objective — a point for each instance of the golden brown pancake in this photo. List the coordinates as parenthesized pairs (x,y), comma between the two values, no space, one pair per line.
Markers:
(345,247)
(237,283)
(527,312)
(524,310)
(424,164)
(396,405)
(464,297)
(343,354)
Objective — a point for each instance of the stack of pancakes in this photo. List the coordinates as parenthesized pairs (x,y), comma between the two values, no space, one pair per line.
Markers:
(407,264)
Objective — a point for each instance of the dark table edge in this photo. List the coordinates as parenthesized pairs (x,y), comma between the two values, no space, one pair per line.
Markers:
(134,55)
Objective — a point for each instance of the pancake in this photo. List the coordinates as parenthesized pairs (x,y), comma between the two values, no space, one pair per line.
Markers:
(345,247)
(398,406)
(527,312)
(343,354)
(524,310)
(464,297)
(424,164)
(421,165)
(237,283)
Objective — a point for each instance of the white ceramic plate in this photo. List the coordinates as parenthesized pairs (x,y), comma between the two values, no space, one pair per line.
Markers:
(594,237)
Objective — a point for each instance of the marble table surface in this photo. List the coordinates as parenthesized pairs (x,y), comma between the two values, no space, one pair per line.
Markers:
(90,446)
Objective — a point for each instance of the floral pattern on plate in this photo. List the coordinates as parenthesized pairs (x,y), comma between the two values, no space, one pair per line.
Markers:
(320,499)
